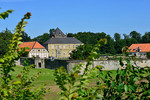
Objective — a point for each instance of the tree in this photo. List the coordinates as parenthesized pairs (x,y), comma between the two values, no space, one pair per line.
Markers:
(81,52)
(41,38)
(131,41)
(110,45)
(11,89)
(70,35)
(135,35)
(5,38)
(126,36)
(25,37)
(146,37)
(117,36)
(51,31)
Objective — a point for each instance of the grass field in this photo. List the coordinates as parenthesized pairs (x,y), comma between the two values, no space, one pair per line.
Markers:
(46,79)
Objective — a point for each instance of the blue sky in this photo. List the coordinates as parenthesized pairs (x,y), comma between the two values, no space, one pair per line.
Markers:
(72,16)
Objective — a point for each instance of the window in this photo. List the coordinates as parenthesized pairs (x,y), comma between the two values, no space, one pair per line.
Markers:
(64,53)
(52,46)
(69,46)
(64,46)
(73,46)
(57,47)
(58,53)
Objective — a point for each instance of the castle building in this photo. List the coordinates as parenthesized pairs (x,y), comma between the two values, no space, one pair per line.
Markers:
(59,45)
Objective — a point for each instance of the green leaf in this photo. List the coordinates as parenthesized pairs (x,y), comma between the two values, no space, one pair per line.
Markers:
(17,82)
(128,62)
(5,92)
(113,84)
(99,96)
(119,87)
(132,88)
(126,88)
(123,72)
(1,60)
(120,60)
(117,77)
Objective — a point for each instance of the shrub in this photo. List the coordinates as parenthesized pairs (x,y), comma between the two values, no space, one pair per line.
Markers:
(130,81)
(148,55)
(21,89)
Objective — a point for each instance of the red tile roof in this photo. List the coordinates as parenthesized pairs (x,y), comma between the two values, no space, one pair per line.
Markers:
(31,45)
(143,47)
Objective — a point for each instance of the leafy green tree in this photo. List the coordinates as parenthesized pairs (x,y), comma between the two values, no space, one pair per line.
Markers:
(70,35)
(131,41)
(119,45)
(146,37)
(5,14)
(136,36)
(41,38)
(110,45)
(81,52)
(51,31)
(86,37)
(5,38)
(130,81)
(17,89)
(117,37)
(25,37)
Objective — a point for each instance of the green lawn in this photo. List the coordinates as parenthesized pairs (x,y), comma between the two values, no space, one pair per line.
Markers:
(46,75)
(47,79)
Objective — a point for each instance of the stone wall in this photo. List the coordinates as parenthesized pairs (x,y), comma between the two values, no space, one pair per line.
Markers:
(69,64)
(108,64)
(30,60)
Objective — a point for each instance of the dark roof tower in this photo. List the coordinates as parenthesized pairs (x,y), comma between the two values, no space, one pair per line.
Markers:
(59,37)
(58,33)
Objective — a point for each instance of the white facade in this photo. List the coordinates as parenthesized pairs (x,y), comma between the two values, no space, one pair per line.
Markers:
(138,54)
(42,53)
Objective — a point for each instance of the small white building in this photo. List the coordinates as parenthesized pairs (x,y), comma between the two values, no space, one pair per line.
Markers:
(35,49)
(139,50)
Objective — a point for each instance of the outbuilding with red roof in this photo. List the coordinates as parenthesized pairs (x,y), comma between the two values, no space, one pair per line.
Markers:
(35,49)
(139,49)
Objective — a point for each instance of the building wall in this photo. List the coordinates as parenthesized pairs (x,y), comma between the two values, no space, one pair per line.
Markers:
(61,50)
(139,54)
(42,53)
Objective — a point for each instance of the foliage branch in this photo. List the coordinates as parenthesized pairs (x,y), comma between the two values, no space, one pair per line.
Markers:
(129,82)
(20,89)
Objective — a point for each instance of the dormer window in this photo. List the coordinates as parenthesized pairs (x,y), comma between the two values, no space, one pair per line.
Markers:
(138,49)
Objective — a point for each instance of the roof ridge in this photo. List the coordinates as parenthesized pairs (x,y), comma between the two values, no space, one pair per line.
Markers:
(141,43)
(33,45)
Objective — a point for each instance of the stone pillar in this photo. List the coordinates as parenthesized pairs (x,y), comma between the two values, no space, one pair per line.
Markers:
(39,63)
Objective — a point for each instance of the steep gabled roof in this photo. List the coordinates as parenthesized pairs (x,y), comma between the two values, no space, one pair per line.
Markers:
(31,45)
(145,47)
(58,32)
